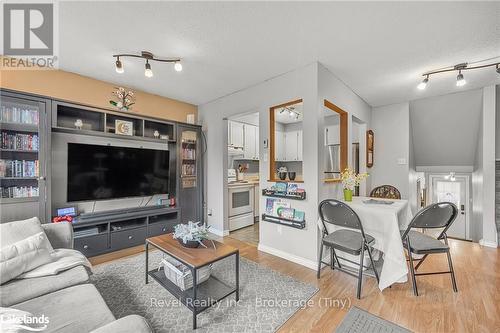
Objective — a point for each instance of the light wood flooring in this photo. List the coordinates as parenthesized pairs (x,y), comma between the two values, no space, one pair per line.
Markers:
(248,234)
(475,308)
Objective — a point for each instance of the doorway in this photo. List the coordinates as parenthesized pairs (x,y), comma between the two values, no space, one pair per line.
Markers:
(455,189)
(243,176)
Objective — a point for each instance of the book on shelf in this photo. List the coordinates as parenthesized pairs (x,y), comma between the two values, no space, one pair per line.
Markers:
(19,191)
(19,115)
(19,168)
(18,141)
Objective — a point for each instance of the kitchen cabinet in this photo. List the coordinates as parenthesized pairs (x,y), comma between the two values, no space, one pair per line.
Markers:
(251,144)
(280,146)
(236,134)
(293,146)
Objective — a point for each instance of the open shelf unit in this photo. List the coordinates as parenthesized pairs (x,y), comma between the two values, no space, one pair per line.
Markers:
(283,221)
(104,123)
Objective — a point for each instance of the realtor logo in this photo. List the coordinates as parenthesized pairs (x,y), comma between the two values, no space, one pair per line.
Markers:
(28,29)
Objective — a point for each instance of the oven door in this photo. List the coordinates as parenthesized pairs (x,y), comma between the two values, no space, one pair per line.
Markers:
(241,200)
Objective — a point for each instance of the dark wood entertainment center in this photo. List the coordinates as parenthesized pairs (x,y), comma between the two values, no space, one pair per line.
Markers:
(104,230)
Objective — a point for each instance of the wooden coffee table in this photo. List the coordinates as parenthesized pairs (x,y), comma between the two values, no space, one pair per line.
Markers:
(201,296)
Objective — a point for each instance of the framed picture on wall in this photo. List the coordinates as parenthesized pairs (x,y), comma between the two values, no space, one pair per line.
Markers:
(124,127)
(369,148)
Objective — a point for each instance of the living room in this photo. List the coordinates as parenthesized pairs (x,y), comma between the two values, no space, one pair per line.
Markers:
(374,138)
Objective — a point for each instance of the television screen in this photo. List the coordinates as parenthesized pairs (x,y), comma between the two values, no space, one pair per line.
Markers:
(98,172)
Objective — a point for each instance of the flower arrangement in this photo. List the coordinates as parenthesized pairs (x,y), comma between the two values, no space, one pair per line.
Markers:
(350,179)
(191,234)
(125,99)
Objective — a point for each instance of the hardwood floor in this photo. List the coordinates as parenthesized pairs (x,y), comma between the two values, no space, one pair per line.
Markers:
(475,308)
(248,234)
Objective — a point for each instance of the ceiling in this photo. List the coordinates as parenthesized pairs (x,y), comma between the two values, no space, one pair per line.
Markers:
(445,128)
(377,49)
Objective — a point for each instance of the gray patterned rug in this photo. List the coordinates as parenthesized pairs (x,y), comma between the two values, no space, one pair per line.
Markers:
(360,321)
(267,298)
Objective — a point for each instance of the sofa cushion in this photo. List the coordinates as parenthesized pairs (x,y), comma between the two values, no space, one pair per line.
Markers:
(15,231)
(17,291)
(23,256)
(75,309)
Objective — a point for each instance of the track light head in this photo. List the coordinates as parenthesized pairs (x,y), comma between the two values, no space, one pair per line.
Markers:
(178,66)
(423,84)
(147,71)
(460,79)
(119,66)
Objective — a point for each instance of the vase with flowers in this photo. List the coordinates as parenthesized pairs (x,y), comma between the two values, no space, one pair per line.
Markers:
(350,179)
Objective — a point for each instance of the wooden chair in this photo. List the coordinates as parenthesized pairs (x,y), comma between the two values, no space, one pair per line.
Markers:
(386,192)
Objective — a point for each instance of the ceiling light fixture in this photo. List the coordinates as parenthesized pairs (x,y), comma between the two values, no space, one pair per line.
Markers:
(423,84)
(291,112)
(119,66)
(459,67)
(149,57)
(460,79)
(147,71)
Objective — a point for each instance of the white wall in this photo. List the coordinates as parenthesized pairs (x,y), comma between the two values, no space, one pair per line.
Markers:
(412,173)
(294,244)
(335,91)
(391,127)
(497,143)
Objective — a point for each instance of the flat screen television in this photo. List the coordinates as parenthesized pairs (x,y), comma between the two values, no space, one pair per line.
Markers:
(98,172)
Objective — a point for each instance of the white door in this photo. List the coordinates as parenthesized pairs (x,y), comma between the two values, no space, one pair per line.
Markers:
(454,191)
(236,137)
(249,146)
(332,135)
(291,146)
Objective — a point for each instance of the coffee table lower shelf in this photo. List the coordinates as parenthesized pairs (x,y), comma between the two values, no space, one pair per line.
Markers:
(207,293)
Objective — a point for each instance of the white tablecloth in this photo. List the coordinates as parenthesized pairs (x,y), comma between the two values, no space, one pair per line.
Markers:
(383,223)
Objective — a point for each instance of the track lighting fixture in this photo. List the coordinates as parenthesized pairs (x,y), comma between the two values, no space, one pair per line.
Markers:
(423,84)
(459,67)
(460,79)
(119,66)
(292,113)
(147,71)
(149,57)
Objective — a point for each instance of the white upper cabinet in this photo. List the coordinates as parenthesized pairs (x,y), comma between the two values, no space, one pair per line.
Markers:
(293,146)
(236,134)
(280,146)
(332,135)
(250,148)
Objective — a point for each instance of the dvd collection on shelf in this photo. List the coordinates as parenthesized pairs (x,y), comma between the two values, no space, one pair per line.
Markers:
(18,141)
(19,168)
(19,191)
(19,115)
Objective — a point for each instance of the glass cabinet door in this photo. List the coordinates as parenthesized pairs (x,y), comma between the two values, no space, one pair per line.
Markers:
(22,158)
(188,159)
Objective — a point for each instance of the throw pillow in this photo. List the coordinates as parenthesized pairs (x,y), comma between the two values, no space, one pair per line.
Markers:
(23,256)
(16,231)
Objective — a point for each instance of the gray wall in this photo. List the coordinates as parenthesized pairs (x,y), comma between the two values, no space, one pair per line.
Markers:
(59,173)
(391,126)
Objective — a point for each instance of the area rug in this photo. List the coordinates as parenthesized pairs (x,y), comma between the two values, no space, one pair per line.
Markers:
(267,298)
(360,321)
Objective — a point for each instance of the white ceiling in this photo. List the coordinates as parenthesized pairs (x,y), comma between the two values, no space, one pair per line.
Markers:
(378,49)
(445,128)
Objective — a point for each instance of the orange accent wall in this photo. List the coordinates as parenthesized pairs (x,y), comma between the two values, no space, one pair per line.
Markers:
(85,90)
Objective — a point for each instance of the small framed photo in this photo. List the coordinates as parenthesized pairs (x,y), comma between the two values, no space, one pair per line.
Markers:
(124,127)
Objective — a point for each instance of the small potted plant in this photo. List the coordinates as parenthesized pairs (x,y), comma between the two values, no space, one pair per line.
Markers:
(125,99)
(191,234)
(350,180)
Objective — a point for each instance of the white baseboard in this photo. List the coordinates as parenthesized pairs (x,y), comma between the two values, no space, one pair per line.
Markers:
(219,232)
(488,243)
(287,256)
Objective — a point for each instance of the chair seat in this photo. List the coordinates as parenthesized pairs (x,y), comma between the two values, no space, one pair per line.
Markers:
(347,240)
(422,244)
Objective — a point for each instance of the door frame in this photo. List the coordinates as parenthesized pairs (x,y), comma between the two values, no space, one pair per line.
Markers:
(468,201)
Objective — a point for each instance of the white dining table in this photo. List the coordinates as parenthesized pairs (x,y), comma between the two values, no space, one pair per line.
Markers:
(383,222)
